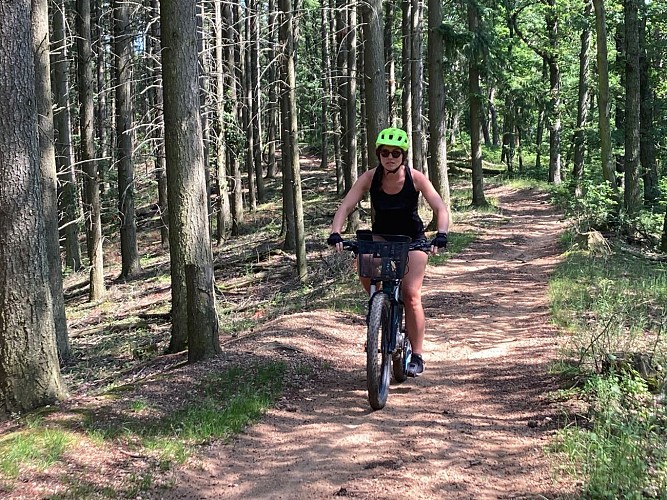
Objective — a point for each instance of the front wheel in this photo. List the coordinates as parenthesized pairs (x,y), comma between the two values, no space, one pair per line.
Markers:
(378,360)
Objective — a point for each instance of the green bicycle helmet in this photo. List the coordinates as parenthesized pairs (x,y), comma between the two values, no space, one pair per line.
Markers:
(392,137)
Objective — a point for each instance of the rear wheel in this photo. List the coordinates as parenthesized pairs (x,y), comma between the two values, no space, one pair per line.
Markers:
(402,350)
(378,361)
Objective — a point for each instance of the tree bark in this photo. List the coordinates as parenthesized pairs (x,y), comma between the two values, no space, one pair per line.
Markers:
(604,105)
(475,97)
(436,107)
(406,71)
(272,72)
(632,197)
(188,217)
(417,92)
(224,217)
(246,112)
(156,99)
(291,132)
(390,60)
(554,96)
(130,264)
(326,88)
(256,97)
(377,112)
(582,103)
(93,207)
(647,149)
(70,203)
(47,165)
(202,316)
(29,372)
(351,164)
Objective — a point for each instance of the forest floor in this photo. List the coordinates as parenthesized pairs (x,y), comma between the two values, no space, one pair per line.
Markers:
(476,425)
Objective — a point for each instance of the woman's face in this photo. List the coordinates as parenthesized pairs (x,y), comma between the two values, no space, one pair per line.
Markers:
(390,157)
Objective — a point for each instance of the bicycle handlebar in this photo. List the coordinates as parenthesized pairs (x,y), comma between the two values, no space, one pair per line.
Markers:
(424,245)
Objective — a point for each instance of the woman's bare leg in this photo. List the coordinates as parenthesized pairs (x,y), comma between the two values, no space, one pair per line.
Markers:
(414,312)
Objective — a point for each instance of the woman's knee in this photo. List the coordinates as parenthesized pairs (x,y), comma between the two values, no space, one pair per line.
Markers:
(412,296)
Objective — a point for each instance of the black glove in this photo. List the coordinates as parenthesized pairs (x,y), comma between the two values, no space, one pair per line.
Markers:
(334,239)
(440,240)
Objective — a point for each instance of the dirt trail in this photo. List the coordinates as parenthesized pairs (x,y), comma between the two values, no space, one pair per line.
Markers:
(474,426)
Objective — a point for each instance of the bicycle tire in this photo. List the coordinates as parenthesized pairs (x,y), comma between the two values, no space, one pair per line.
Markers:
(378,360)
(402,350)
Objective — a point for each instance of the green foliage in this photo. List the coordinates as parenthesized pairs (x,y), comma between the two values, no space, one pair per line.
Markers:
(595,209)
(227,402)
(622,453)
(35,447)
(611,304)
(614,309)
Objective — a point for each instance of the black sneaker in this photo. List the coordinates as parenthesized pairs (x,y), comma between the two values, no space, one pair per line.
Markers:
(415,366)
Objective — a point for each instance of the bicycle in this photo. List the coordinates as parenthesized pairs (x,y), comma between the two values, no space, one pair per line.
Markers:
(384,260)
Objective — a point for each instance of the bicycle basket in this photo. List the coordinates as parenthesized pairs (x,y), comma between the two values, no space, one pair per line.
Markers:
(382,259)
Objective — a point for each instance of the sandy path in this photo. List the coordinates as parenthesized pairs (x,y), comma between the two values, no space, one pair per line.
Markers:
(474,426)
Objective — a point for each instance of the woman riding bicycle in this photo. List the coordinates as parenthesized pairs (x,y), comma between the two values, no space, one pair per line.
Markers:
(394,188)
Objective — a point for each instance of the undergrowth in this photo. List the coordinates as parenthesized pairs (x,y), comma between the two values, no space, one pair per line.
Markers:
(613,308)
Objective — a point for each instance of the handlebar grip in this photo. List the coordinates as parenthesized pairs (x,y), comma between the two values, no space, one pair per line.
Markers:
(350,245)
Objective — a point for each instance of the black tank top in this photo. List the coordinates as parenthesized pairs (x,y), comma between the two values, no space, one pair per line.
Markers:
(396,213)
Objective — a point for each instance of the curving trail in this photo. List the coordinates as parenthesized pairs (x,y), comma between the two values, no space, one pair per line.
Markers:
(475,426)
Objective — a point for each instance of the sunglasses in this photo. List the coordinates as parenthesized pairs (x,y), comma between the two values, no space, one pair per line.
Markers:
(395,153)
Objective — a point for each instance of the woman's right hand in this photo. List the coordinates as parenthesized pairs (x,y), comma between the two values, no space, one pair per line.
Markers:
(335,240)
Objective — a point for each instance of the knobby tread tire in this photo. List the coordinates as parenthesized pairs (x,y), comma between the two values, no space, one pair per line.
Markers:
(378,364)
(399,353)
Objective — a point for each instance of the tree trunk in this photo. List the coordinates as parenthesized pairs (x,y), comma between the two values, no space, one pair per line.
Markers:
(202,316)
(343,82)
(406,72)
(125,140)
(632,195)
(256,98)
(494,117)
(224,217)
(246,112)
(326,89)
(156,100)
(555,97)
(416,81)
(188,217)
(204,92)
(390,60)
(91,175)
(289,96)
(336,27)
(69,197)
(104,137)
(47,166)
(272,126)
(647,150)
(436,107)
(351,164)
(232,42)
(29,372)
(582,103)
(475,96)
(604,105)
(377,112)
